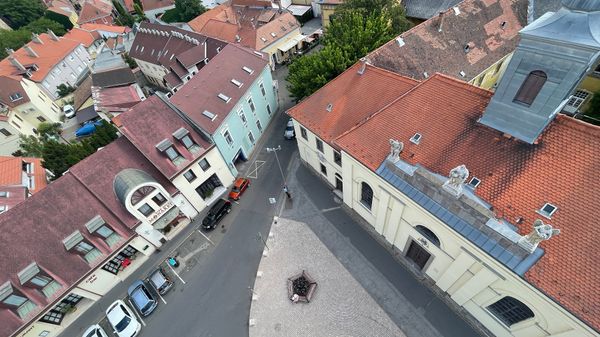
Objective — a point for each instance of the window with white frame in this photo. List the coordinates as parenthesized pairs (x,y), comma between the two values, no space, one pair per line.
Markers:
(510,310)
(173,155)
(190,176)
(228,137)
(32,276)
(251,137)
(98,227)
(243,117)
(76,243)
(204,164)
(251,104)
(262,89)
(577,99)
(269,109)
(259,126)
(15,301)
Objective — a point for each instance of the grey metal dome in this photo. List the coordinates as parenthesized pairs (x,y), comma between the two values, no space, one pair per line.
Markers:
(127,180)
(582,5)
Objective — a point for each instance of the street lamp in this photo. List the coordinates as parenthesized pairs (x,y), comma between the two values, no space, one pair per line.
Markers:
(274,150)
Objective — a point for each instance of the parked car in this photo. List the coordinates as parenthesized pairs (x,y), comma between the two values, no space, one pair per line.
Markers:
(216,213)
(160,281)
(142,297)
(289,132)
(95,331)
(69,111)
(122,320)
(239,186)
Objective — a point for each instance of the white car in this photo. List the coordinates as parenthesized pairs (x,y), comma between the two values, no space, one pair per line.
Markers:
(69,111)
(289,130)
(95,331)
(123,320)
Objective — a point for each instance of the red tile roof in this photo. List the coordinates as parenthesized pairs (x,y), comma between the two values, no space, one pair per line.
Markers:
(116,99)
(91,27)
(98,171)
(228,23)
(516,178)
(80,35)
(154,114)
(215,78)
(50,53)
(93,11)
(149,5)
(33,231)
(12,174)
(351,103)
(427,50)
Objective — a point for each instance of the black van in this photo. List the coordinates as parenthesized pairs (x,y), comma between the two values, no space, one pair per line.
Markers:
(216,213)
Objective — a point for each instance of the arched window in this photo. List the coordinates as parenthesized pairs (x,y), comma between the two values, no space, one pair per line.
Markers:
(531,87)
(510,310)
(366,195)
(426,232)
(140,193)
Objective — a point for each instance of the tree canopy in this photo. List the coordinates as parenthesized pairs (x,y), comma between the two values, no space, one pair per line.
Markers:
(15,39)
(184,11)
(390,10)
(42,25)
(58,156)
(352,35)
(20,13)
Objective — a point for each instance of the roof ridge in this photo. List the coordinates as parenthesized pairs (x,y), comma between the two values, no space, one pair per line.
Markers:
(579,125)
(461,83)
(392,74)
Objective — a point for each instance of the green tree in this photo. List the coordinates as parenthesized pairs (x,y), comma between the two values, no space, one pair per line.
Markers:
(139,11)
(13,39)
(63,20)
(31,146)
(309,73)
(42,25)
(123,17)
(20,13)
(357,35)
(391,10)
(49,131)
(188,9)
(64,90)
(129,60)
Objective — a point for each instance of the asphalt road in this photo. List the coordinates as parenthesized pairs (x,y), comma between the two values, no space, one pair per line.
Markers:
(215,299)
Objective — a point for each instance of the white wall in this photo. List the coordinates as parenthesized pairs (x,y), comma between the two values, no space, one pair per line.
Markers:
(67,71)
(188,189)
(471,278)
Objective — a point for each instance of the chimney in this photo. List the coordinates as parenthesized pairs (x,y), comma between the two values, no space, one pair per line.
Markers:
(441,21)
(52,35)
(9,51)
(36,38)
(30,51)
(16,63)
(363,66)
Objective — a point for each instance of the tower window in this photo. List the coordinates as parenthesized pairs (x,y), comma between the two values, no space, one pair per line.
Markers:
(531,87)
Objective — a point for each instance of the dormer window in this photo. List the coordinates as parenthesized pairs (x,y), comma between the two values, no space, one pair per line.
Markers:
(76,243)
(15,97)
(547,210)
(32,276)
(183,135)
(166,146)
(97,226)
(15,301)
(3,194)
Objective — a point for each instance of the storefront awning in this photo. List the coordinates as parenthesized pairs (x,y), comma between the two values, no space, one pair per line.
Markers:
(166,219)
(290,44)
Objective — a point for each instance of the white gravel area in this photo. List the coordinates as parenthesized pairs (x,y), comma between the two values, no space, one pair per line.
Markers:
(340,307)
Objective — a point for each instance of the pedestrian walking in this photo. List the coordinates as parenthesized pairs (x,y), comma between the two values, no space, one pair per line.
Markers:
(287,192)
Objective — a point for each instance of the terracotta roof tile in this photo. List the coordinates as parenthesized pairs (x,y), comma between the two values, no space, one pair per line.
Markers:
(154,114)
(156,4)
(50,53)
(516,178)
(80,35)
(93,10)
(116,99)
(215,78)
(349,100)
(10,86)
(91,27)
(479,23)
(12,173)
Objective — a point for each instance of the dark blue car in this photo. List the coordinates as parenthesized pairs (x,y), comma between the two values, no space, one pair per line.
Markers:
(142,297)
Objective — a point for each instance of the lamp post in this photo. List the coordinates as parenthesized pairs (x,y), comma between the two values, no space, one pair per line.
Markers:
(274,150)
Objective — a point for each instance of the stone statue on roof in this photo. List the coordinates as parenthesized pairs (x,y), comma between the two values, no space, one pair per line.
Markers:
(540,232)
(396,147)
(456,180)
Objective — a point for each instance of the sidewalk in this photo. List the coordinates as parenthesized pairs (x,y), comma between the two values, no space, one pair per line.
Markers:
(408,302)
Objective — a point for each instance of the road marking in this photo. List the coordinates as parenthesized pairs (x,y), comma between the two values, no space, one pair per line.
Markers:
(135,312)
(173,270)
(253,173)
(206,237)
(165,302)
(330,209)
